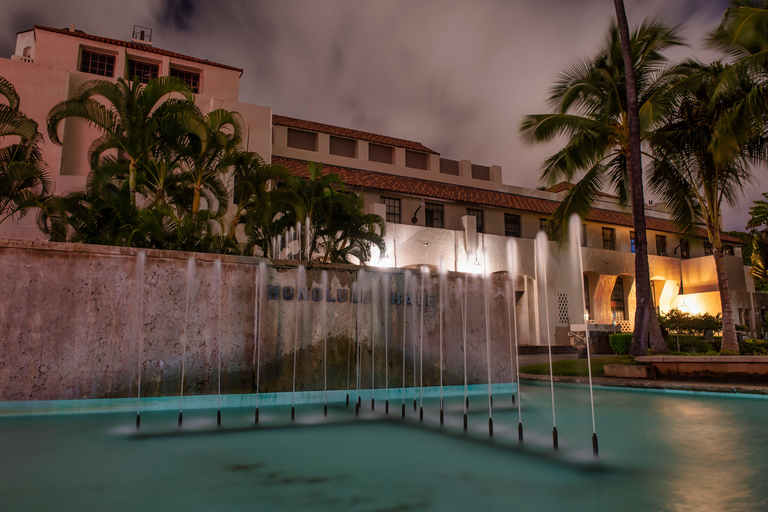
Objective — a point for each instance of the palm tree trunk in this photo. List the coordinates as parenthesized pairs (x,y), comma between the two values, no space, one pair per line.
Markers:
(730,342)
(196,203)
(132,181)
(646,331)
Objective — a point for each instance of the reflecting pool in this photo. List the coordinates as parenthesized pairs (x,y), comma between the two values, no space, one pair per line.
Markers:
(658,451)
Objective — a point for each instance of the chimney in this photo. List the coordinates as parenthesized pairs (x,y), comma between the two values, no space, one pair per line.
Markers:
(71,27)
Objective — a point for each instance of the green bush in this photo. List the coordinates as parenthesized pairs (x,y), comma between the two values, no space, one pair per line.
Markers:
(620,342)
(687,343)
(752,347)
(686,323)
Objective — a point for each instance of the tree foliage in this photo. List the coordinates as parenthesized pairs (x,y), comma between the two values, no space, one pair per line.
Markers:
(25,180)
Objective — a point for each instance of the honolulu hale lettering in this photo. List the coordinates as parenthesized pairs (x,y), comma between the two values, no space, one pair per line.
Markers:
(344,295)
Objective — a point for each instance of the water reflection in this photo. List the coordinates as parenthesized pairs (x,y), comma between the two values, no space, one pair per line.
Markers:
(709,452)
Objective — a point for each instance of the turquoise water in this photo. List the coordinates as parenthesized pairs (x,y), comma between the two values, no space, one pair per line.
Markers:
(659,451)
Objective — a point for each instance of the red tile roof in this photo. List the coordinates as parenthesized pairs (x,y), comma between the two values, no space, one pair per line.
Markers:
(346,132)
(459,193)
(135,46)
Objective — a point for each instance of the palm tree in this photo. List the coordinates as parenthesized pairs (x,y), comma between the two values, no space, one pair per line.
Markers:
(742,35)
(25,180)
(208,158)
(759,219)
(690,172)
(133,120)
(351,232)
(313,199)
(254,200)
(604,112)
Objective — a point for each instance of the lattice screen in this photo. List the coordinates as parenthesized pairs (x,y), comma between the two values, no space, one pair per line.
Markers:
(562,309)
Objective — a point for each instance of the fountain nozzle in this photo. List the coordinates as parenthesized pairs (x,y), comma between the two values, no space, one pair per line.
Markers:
(138,420)
(180,418)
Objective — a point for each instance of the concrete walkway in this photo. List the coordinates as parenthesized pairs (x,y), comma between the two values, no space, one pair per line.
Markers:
(712,387)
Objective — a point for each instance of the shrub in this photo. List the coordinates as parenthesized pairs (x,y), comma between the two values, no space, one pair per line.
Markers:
(621,342)
(675,320)
(752,347)
(687,343)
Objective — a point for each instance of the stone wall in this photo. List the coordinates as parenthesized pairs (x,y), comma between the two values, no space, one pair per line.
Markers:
(70,325)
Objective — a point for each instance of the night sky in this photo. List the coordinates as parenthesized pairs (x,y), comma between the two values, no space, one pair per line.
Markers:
(456,76)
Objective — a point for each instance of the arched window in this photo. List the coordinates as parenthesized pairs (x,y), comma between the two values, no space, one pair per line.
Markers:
(617,301)
(27,51)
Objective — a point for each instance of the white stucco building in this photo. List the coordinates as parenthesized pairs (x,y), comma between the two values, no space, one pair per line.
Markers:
(436,207)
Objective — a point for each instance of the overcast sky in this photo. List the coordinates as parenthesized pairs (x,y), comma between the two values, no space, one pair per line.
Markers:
(454,75)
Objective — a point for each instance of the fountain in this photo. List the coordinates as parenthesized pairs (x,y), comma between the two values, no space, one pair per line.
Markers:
(575,232)
(374,323)
(301,280)
(487,283)
(512,266)
(422,297)
(139,294)
(385,290)
(541,261)
(324,283)
(463,294)
(218,284)
(406,284)
(190,277)
(443,273)
(258,324)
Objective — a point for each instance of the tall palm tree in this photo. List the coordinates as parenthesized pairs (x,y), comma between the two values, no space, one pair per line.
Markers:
(690,173)
(131,118)
(25,181)
(646,322)
(604,112)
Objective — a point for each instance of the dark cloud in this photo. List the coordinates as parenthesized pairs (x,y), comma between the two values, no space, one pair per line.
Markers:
(454,75)
(178,14)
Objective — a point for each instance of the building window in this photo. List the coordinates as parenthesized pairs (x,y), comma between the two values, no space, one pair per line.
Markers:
(586,298)
(192,78)
(144,71)
(708,249)
(632,242)
(609,239)
(617,301)
(393,209)
(661,245)
(449,166)
(481,172)
(300,139)
(512,225)
(97,63)
(685,249)
(478,214)
(433,215)
(379,153)
(728,250)
(415,160)
(584,236)
(343,147)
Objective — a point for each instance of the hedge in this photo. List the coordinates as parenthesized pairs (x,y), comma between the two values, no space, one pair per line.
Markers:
(621,342)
